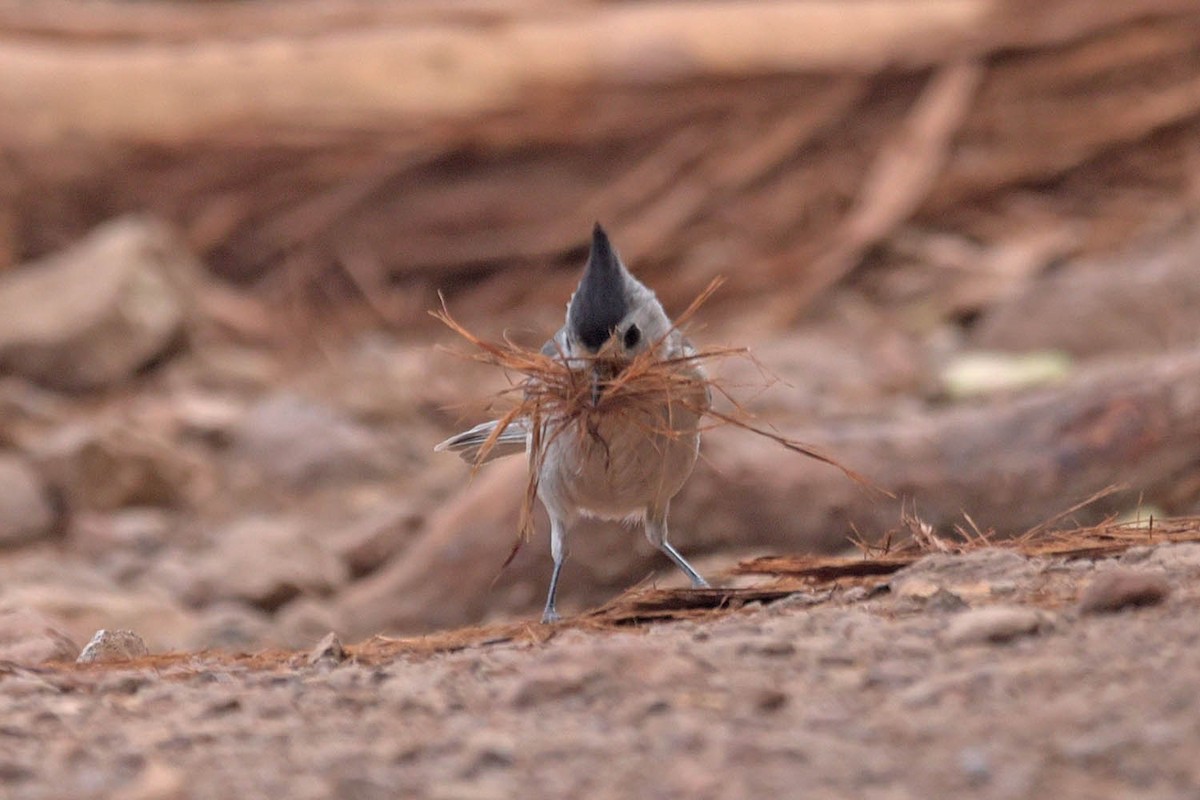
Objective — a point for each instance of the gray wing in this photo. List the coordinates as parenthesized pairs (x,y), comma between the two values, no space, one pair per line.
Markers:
(467,444)
(513,440)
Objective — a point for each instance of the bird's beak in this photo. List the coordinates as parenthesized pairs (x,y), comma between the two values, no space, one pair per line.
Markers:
(597,385)
(603,368)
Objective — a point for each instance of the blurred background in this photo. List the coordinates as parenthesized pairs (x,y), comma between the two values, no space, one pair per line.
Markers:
(961,235)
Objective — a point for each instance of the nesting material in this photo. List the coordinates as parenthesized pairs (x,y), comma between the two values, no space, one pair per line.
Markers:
(551,387)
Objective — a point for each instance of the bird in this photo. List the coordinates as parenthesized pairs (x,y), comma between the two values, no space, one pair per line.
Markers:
(627,468)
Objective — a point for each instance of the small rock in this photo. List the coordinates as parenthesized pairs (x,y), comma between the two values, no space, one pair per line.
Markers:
(943,600)
(1176,558)
(267,561)
(242,370)
(1117,589)
(806,599)
(103,468)
(329,651)
(778,648)
(157,781)
(366,544)
(545,684)
(109,646)
(27,637)
(915,588)
(25,511)
(124,682)
(297,441)
(12,773)
(143,531)
(379,377)
(26,408)
(855,594)
(231,626)
(488,750)
(302,620)
(993,624)
(1096,746)
(770,699)
(95,313)
(209,417)
(975,575)
(975,765)
(361,787)
(1135,555)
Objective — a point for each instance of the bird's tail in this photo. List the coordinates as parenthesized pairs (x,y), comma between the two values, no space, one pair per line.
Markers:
(467,444)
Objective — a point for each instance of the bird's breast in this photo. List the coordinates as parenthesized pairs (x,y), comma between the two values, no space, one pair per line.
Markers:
(616,464)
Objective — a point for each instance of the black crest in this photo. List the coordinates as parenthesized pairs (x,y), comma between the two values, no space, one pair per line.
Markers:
(600,302)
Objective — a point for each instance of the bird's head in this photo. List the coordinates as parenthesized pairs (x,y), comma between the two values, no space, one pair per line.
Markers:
(612,312)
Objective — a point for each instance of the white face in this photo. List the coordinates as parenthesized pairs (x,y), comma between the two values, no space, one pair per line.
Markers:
(646,325)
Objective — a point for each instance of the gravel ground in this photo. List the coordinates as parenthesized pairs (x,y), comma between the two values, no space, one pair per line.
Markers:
(961,676)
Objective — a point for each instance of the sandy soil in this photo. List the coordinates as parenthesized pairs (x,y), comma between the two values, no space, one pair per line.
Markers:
(978,675)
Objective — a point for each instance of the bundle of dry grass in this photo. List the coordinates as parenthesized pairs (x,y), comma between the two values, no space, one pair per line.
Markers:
(552,387)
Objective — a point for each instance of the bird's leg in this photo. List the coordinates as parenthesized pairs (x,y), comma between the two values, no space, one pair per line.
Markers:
(558,535)
(656,532)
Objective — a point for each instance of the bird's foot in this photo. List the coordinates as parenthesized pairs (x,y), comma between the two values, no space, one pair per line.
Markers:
(550,616)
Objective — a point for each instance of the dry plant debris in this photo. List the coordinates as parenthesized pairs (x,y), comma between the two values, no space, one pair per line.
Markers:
(1098,541)
(638,606)
(791,574)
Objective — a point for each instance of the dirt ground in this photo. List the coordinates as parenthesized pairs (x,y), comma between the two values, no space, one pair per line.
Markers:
(976,675)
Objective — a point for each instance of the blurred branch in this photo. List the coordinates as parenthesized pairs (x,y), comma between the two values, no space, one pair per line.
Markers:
(897,182)
(791,138)
(380,71)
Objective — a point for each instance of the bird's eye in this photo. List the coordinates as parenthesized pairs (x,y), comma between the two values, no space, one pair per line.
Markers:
(632,337)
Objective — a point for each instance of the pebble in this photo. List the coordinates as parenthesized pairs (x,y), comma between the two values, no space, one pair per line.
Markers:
(26,513)
(1118,589)
(157,781)
(975,765)
(328,652)
(108,646)
(993,624)
(946,601)
(770,700)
